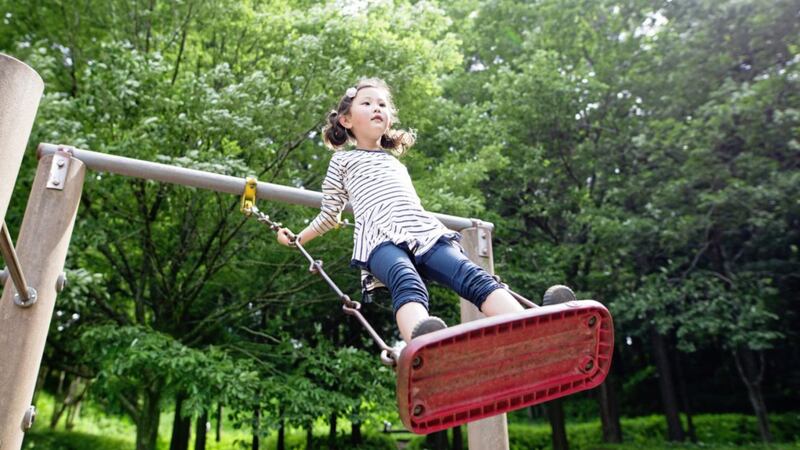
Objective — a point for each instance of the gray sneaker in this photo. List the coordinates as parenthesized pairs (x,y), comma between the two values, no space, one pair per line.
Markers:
(558,294)
(428,325)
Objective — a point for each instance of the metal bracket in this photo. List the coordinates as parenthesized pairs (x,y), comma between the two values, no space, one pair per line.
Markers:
(59,168)
(484,244)
(32,297)
(249,196)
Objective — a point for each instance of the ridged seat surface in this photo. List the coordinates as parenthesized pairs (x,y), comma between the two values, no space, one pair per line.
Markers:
(486,367)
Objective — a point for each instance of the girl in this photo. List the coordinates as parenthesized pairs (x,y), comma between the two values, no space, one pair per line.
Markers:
(395,238)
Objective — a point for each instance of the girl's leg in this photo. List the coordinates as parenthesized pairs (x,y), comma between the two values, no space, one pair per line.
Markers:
(393,266)
(499,302)
(446,265)
(408,316)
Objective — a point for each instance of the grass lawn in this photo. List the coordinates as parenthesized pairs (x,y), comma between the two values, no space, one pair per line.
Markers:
(97,430)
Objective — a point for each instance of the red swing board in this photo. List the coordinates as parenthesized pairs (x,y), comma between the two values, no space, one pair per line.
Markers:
(486,367)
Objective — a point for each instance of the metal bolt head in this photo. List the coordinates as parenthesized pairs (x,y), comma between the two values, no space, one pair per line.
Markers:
(589,365)
(60,163)
(23,303)
(418,410)
(592,321)
(61,282)
(417,363)
(55,182)
(28,418)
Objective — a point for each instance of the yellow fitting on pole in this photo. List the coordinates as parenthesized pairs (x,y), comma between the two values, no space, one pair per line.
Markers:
(249,196)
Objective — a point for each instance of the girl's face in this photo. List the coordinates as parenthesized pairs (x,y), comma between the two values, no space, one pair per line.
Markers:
(369,117)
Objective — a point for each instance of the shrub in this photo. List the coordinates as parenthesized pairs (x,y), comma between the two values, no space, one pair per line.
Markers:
(650,431)
(72,440)
(297,441)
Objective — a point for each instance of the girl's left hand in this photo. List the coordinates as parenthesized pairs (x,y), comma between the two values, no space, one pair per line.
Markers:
(286,237)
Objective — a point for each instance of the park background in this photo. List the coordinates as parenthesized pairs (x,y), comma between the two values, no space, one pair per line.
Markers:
(643,152)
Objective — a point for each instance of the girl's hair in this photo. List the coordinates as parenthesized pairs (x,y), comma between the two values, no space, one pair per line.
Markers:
(336,136)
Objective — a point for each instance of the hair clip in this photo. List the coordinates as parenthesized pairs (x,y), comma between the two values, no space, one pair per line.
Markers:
(351,92)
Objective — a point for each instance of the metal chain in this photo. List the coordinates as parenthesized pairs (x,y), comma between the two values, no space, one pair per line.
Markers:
(350,307)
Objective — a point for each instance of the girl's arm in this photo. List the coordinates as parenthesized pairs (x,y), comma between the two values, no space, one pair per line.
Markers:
(334,197)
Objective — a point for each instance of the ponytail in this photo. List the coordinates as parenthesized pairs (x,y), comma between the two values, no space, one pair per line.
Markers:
(334,135)
(398,141)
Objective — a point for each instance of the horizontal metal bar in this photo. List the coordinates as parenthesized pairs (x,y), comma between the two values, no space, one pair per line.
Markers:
(12,263)
(215,182)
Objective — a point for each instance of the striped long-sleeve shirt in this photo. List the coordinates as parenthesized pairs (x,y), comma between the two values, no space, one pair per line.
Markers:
(385,204)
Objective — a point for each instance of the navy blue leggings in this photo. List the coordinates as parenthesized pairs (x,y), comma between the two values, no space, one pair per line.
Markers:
(444,263)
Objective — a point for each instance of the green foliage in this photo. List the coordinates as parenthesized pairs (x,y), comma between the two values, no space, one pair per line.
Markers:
(673,446)
(713,431)
(645,154)
(128,357)
(297,441)
(71,440)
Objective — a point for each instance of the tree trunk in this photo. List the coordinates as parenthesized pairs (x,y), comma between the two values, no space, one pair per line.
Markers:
(555,412)
(537,411)
(201,429)
(310,436)
(685,402)
(58,411)
(355,434)
(70,403)
(752,373)
(219,422)
(667,386)
(437,441)
(332,432)
(609,413)
(60,397)
(147,425)
(282,436)
(73,411)
(458,439)
(181,426)
(256,428)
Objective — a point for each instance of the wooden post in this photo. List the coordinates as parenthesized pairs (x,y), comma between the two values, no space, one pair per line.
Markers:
(42,248)
(20,91)
(490,433)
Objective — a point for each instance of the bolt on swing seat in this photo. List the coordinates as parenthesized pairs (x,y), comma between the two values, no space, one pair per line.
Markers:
(489,366)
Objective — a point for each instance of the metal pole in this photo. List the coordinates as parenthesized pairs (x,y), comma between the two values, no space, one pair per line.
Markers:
(490,433)
(20,91)
(206,180)
(14,269)
(42,248)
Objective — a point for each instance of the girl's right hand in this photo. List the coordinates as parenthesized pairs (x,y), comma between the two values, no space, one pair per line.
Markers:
(286,237)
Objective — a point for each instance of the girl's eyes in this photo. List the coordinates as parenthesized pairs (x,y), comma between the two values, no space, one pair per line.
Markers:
(383,105)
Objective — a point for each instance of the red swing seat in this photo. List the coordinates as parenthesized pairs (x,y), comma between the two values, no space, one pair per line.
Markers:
(489,366)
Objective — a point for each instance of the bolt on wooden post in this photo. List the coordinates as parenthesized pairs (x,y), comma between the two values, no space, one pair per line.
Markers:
(42,248)
(490,433)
